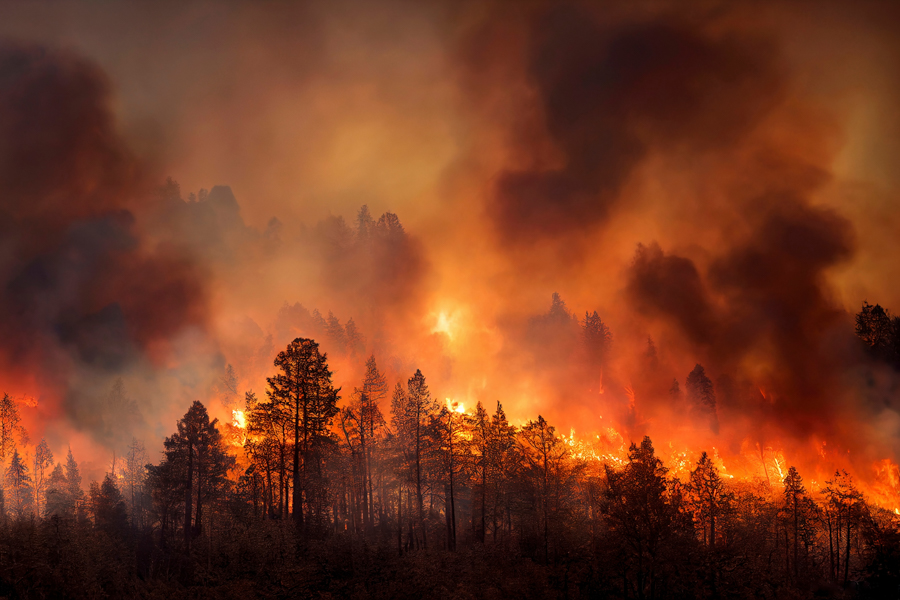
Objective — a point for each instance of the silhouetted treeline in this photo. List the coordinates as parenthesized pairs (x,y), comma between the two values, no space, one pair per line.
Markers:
(879,331)
(384,492)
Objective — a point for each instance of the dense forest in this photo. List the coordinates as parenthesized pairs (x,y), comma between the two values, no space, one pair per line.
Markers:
(384,492)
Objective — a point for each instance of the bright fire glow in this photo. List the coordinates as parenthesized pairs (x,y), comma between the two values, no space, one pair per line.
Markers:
(457,407)
(446,324)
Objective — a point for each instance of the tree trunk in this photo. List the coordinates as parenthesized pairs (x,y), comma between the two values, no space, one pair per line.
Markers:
(847,554)
(189,496)
(419,498)
(796,539)
(400,520)
(297,508)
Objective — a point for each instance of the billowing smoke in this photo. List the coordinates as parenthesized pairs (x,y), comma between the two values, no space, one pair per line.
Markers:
(86,298)
(611,95)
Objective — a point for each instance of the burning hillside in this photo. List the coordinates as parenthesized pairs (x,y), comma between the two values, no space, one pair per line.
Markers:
(573,299)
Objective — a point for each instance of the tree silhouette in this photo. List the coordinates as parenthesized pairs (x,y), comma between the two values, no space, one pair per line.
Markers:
(797,515)
(11,429)
(844,512)
(710,497)
(18,487)
(597,339)
(57,499)
(73,485)
(194,463)
(639,515)
(411,412)
(361,423)
(544,453)
(43,458)
(879,332)
(702,396)
(304,390)
(108,507)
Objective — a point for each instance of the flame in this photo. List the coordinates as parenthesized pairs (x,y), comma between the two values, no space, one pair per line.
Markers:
(238,419)
(457,407)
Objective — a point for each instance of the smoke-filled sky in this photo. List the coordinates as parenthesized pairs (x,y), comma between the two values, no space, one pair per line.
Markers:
(718,176)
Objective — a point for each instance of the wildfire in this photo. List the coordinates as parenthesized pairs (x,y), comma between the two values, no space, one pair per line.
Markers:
(238,419)
(457,407)
(608,447)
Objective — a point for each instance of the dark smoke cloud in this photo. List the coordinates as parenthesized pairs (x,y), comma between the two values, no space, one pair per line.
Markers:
(60,156)
(611,97)
(670,286)
(85,297)
(774,283)
(764,299)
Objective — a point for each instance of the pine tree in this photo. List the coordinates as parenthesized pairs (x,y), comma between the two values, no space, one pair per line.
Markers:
(337,337)
(11,428)
(108,507)
(365,224)
(544,454)
(702,396)
(411,412)
(796,514)
(57,499)
(880,333)
(675,393)
(196,463)
(638,513)
(135,477)
(481,440)
(597,339)
(452,432)
(43,458)
(558,309)
(710,498)
(304,391)
(269,426)
(228,388)
(844,511)
(73,484)
(18,487)
(355,341)
(361,423)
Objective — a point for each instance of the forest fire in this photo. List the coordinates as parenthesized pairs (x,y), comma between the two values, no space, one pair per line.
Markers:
(563,300)
(238,419)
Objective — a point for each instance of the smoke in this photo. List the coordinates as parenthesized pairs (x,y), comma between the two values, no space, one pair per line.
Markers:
(612,95)
(86,297)
(671,287)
